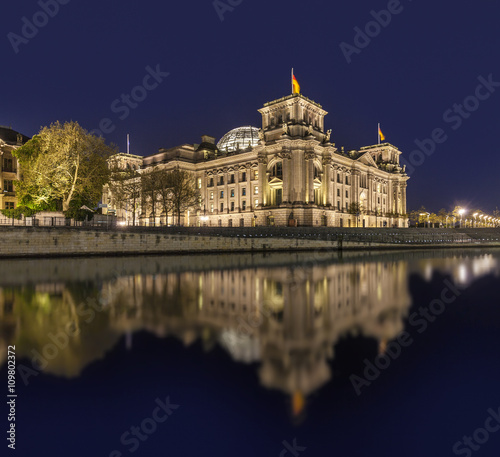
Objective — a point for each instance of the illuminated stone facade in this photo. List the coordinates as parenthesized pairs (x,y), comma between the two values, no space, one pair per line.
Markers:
(291,175)
(9,141)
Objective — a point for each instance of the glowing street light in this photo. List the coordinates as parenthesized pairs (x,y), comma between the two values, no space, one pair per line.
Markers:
(461,212)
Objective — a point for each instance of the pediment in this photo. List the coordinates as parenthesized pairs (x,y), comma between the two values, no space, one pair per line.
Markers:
(367,159)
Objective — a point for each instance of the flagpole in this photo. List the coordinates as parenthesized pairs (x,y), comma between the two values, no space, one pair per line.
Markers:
(128,143)
(292,81)
(378,133)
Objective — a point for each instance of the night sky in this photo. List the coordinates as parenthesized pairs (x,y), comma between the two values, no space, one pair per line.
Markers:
(408,77)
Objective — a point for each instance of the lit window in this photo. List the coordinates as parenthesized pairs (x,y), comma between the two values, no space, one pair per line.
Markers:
(199,183)
(212,208)
(256,203)
(244,191)
(211,195)
(221,194)
(256,190)
(256,174)
(232,192)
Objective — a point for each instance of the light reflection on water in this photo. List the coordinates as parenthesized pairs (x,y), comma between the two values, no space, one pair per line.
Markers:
(284,312)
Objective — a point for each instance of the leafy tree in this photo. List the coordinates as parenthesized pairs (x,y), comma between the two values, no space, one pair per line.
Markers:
(442,214)
(434,219)
(414,216)
(62,163)
(422,215)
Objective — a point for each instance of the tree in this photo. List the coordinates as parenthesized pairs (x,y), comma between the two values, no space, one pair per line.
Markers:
(422,215)
(151,184)
(63,162)
(125,188)
(442,215)
(165,194)
(355,209)
(184,193)
(433,219)
(414,216)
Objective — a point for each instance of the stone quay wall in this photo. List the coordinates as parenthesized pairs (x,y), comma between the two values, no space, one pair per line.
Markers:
(73,241)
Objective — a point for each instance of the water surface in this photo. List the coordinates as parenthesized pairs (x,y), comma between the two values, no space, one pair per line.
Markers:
(252,352)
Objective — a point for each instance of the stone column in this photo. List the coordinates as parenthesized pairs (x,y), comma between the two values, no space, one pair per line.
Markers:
(286,177)
(262,168)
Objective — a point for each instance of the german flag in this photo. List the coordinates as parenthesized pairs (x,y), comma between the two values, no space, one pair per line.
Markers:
(295,85)
(380,134)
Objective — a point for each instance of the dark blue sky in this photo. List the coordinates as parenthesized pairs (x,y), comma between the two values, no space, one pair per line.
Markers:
(411,73)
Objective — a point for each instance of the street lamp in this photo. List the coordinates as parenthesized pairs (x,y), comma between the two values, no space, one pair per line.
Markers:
(461,212)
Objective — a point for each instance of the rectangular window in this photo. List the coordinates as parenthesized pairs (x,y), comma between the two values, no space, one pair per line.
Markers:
(221,207)
(256,190)
(347,179)
(346,206)
(346,194)
(199,183)
(256,203)
(232,179)
(232,192)
(221,181)
(232,206)
(212,208)
(211,195)
(338,192)
(7,165)
(338,205)
(211,182)
(8,186)
(256,174)
(9,205)
(244,176)
(243,205)
(221,194)
(244,191)
(339,180)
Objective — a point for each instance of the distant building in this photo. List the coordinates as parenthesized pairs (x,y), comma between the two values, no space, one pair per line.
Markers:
(10,140)
(288,172)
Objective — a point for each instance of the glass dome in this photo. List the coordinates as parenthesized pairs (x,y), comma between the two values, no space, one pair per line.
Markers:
(239,138)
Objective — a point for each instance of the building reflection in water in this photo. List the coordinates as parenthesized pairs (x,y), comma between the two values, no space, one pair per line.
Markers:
(286,319)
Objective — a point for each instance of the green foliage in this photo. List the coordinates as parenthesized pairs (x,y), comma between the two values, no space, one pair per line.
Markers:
(18,212)
(62,163)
